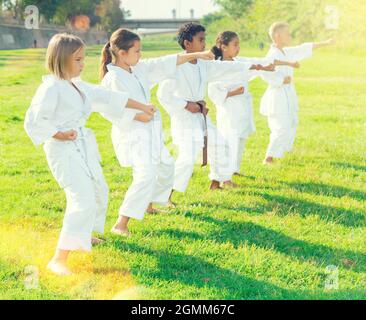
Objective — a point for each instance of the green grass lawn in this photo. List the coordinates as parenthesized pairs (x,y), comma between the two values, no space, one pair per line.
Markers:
(271,239)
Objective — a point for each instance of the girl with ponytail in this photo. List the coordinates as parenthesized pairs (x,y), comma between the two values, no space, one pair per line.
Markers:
(137,137)
(233,100)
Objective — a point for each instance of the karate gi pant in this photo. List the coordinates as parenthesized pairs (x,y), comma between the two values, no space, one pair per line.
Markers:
(86,207)
(236,151)
(190,148)
(283,132)
(152,183)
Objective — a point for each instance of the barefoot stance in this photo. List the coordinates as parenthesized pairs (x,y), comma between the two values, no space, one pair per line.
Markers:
(59,268)
(215,185)
(95,241)
(268,160)
(230,185)
(121,232)
(152,210)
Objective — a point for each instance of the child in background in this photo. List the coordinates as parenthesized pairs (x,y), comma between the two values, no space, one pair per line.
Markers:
(183,97)
(56,118)
(232,98)
(280,103)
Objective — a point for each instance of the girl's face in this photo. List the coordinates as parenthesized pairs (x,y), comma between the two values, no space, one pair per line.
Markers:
(284,37)
(132,56)
(232,49)
(76,63)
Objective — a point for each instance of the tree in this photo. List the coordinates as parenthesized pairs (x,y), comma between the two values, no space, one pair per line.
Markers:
(111,15)
(235,8)
(47,8)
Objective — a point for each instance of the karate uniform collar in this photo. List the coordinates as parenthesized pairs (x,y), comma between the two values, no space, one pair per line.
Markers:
(53,78)
(113,67)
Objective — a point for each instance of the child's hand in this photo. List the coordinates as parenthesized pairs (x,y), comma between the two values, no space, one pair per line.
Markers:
(70,135)
(271,67)
(143,117)
(294,65)
(193,107)
(331,42)
(236,92)
(239,91)
(150,109)
(206,55)
(287,80)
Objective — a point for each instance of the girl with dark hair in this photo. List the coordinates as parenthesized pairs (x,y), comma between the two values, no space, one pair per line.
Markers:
(233,100)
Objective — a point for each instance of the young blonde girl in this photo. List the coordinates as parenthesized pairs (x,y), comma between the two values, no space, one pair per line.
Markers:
(57,118)
(137,138)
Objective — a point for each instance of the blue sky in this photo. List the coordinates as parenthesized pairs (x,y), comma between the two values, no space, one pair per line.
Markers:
(163,8)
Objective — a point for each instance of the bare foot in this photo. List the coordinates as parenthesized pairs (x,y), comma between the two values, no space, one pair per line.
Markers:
(215,185)
(95,241)
(230,185)
(152,210)
(268,161)
(59,268)
(124,232)
(171,204)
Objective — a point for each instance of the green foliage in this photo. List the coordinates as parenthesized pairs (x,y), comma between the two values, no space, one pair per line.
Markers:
(307,19)
(270,239)
(107,13)
(235,8)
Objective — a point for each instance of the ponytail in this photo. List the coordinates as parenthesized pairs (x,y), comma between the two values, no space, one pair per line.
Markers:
(121,39)
(106,59)
(224,38)
(217,52)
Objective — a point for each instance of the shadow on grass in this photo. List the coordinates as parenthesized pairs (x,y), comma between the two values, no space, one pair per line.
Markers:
(193,271)
(328,190)
(346,165)
(284,206)
(239,233)
(196,272)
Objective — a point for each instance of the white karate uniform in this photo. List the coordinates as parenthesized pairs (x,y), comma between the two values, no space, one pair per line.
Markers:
(188,129)
(280,102)
(141,145)
(234,115)
(57,106)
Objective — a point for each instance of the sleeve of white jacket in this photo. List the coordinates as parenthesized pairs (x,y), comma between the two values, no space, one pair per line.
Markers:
(159,69)
(129,114)
(301,52)
(262,61)
(217,93)
(226,70)
(107,101)
(170,102)
(39,119)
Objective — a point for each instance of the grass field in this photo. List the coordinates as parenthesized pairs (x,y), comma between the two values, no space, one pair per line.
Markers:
(274,238)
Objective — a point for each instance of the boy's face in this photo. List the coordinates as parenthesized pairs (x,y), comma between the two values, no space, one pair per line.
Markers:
(76,63)
(198,43)
(284,37)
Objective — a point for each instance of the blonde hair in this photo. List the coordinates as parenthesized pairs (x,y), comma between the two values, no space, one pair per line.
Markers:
(277,27)
(59,50)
